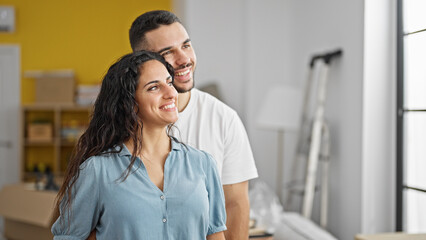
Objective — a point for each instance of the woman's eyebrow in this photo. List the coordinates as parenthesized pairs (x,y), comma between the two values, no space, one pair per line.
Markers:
(155,81)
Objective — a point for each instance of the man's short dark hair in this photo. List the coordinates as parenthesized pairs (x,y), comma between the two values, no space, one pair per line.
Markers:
(148,22)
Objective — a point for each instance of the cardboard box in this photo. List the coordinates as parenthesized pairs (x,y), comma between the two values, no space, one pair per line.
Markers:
(391,236)
(28,214)
(40,132)
(53,86)
(55,89)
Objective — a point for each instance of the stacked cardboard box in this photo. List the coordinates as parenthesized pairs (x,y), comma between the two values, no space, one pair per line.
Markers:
(87,94)
(56,86)
(28,213)
(40,132)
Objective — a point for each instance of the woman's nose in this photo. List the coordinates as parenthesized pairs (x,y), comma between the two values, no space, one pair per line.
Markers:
(170,92)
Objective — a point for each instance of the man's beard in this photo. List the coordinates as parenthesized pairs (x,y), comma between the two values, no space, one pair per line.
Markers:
(182,90)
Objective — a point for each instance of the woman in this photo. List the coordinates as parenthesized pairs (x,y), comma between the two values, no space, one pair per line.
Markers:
(128,178)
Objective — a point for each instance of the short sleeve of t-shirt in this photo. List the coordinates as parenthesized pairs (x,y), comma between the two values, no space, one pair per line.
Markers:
(238,164)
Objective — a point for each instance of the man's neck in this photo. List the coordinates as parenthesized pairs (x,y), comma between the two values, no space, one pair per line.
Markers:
(183,100)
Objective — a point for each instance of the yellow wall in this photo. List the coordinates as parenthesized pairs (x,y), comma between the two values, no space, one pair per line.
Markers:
(84,35)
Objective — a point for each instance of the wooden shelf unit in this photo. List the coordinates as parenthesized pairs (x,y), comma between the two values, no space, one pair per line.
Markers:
(67,123)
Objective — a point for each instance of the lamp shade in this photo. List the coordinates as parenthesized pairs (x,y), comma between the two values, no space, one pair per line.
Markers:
(281,109)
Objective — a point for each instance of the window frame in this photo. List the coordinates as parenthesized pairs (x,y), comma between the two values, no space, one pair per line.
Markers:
(399,118)
(401,187)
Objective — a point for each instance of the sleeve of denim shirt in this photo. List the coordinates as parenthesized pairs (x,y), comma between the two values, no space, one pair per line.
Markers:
(217,211)
(84,212)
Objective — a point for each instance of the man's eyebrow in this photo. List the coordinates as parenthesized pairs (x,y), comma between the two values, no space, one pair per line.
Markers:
(164,49)
(187,41)
(168,48)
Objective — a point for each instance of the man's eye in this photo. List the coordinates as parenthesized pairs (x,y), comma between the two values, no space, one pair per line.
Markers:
(186,46)
(166,53)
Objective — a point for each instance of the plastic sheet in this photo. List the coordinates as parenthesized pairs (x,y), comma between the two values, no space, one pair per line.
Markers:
(265,207)
(268,213)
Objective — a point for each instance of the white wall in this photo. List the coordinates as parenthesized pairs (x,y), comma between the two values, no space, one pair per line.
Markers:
(217,34)
(269,51)
(296,30)
(249,46)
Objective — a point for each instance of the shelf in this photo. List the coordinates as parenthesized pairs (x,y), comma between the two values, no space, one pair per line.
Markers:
(39,143)
(64,123)
(67,143)
(31,176)
(63,143)
(53,106)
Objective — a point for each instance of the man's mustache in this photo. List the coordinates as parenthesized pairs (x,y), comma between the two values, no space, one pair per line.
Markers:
(184,66)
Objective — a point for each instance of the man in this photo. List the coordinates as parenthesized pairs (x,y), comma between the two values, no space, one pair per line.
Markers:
(204,121)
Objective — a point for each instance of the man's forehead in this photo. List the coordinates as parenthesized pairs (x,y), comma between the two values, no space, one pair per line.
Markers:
(166,36)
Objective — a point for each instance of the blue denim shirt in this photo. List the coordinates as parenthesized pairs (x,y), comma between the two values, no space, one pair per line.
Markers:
(191,205)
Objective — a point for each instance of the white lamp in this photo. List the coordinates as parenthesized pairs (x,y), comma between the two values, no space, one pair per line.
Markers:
(280,111)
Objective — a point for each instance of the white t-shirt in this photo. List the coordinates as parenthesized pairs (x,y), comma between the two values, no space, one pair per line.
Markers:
(210,125)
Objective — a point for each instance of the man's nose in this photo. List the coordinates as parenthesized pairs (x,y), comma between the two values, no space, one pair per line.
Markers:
(181,58)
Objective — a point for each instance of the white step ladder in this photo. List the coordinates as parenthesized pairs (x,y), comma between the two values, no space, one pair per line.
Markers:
(313,142)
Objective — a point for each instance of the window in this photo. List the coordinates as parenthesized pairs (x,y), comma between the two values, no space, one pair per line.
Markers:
(411,118)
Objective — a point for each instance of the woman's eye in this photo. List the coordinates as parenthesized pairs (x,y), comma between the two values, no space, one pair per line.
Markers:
(152,88)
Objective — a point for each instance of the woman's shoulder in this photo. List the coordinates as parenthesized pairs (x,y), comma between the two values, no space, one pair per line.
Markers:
(105,157)
(189,151)
(200,156)
(91,164)
(197,152)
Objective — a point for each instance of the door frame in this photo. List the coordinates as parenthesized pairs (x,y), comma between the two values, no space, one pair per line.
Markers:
(13,106)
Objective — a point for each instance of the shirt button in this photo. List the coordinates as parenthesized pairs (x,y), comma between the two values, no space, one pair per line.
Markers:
(164,220)
(162,197)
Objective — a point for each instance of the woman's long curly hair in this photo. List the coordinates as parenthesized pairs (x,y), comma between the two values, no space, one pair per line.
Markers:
(114,120)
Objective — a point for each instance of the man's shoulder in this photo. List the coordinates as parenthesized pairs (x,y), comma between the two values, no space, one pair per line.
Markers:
(205,100)
(204,96)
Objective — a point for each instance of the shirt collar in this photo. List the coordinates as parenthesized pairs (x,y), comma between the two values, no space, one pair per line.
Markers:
(176,146)
(124,151)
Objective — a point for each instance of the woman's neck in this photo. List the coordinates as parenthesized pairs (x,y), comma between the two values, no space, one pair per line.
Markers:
(155,144)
